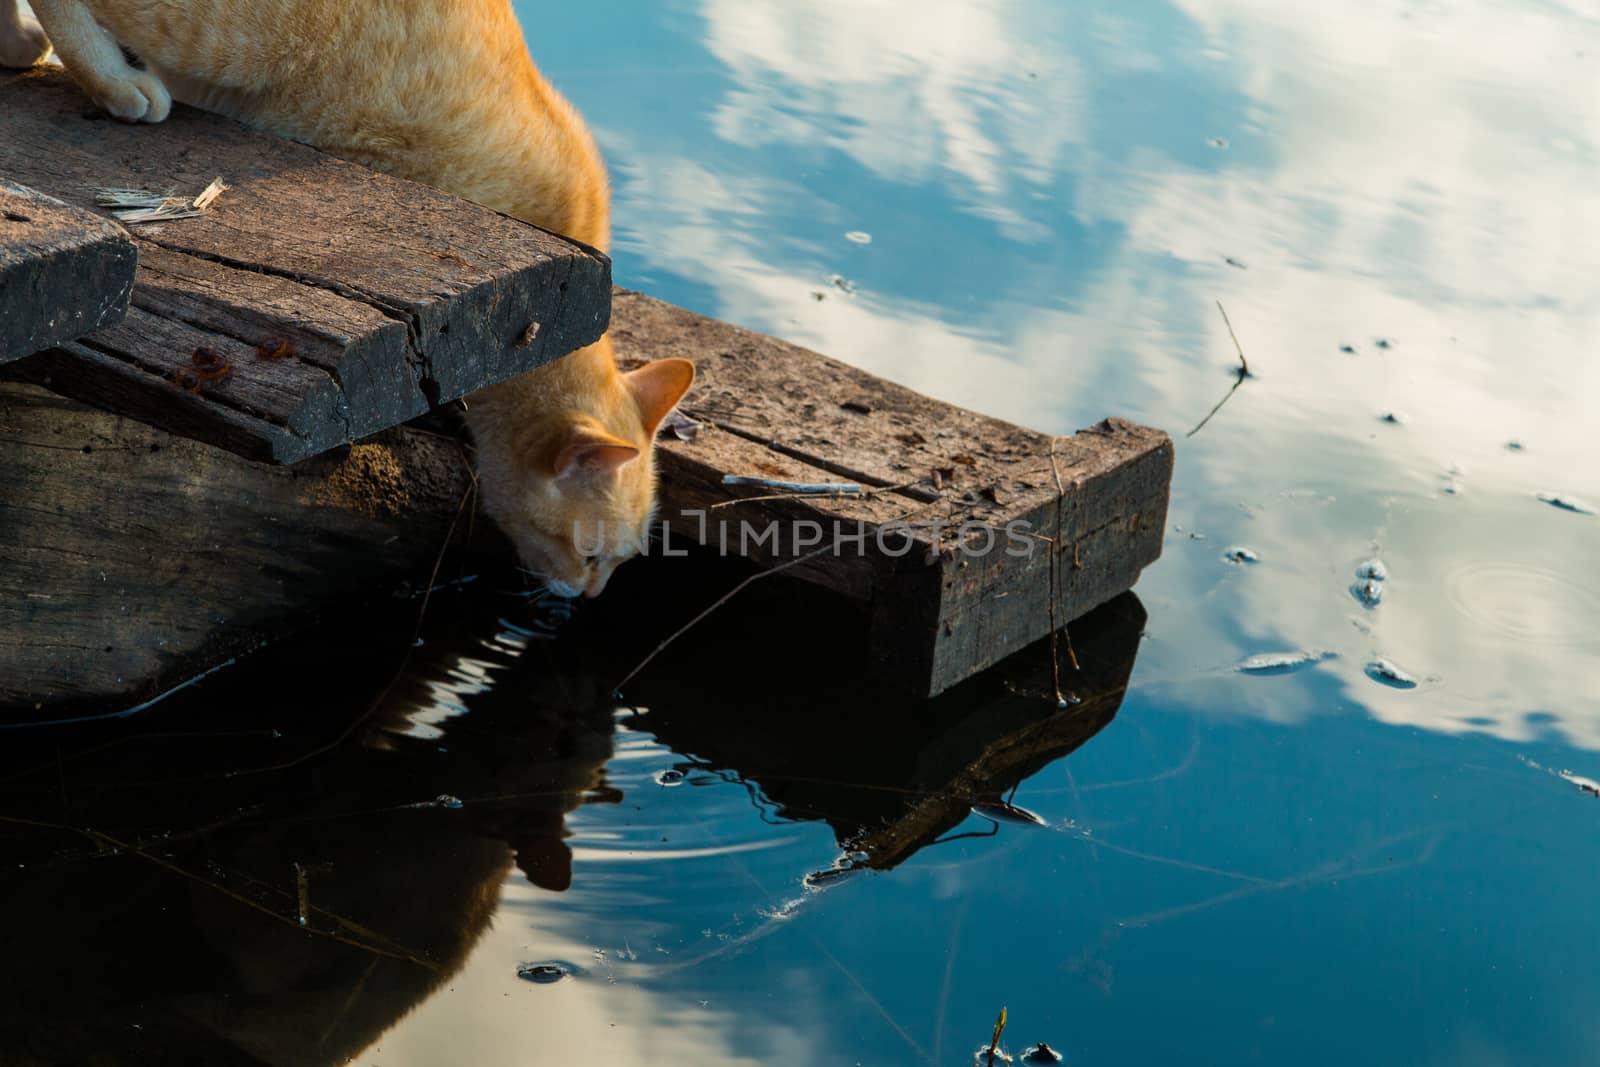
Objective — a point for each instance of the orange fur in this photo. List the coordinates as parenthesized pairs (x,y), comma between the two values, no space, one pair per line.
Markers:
(441,92)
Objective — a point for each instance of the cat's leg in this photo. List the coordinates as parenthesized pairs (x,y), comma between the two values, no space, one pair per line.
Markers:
(22,39)
(95,61)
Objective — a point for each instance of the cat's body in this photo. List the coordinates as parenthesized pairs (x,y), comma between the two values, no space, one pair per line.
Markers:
(442,92)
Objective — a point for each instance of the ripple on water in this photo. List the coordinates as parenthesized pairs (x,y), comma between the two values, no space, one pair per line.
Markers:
(1526,603)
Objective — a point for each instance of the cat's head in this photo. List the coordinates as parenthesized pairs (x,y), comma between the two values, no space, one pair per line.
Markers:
(576,494)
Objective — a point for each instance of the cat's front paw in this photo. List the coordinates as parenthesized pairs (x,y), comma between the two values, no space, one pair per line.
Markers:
(22,42)
(133,96)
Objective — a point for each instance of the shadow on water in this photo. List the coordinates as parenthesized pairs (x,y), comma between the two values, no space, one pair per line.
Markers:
(249,874)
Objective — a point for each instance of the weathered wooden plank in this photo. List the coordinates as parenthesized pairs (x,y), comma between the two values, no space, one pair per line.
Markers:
(63,272)
(1005,520)
(370,298)
(131,559)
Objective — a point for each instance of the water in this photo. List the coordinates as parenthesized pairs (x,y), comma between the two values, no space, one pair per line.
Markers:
(760,860)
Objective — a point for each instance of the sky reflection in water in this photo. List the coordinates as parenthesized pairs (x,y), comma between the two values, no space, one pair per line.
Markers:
(1307,867)
(1397,204)
(1054,194)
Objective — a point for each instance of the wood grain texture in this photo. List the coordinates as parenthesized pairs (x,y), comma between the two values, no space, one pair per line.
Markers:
(131,559)
(947,598)
(63,272)
(380,298)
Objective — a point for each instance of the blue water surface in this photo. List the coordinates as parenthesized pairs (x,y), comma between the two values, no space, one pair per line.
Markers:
(1307,868)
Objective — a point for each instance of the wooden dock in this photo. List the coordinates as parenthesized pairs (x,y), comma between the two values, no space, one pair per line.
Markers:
(151,528)
(315,303)
(968,527)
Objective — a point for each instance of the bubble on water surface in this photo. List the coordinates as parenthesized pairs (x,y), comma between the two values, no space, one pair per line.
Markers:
(445,800)
(1374,569)
(1281,662)
(542,973)
(1386,673)
(860,237)
(1240,555)
(1042,1053)
(1000,811)
(1368,591)
(1585,785)
(671,776)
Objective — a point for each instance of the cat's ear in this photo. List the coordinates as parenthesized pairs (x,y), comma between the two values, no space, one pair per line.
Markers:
(657,387)
(589,451)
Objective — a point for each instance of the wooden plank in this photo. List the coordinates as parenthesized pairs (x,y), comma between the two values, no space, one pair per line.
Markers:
(131,559)
(1006,519)
(63,272)
(378,297)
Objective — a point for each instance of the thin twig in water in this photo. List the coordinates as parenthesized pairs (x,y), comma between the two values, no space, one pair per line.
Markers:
(1055,582)
(723,599)
(994,1043)
(106,840)
(377,701)
(1244,372)
(1237,347)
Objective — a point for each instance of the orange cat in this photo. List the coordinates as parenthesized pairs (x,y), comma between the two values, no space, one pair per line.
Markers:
(441,92)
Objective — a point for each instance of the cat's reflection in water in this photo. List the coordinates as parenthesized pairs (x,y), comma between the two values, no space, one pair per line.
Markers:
(404,823)
(175,938)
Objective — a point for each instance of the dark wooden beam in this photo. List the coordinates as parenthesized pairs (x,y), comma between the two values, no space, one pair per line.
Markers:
(1081,515)
(315,303)
(132,560)
(63,272)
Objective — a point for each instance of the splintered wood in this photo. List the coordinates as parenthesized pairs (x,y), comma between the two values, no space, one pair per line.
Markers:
(969,536)
(323,301)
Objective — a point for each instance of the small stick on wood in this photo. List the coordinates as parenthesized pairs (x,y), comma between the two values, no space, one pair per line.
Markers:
(792,487)
(1244,372)
(140,205)
(866,494)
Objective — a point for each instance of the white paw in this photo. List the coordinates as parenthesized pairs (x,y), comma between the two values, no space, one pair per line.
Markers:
(24,44)
(133,96)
